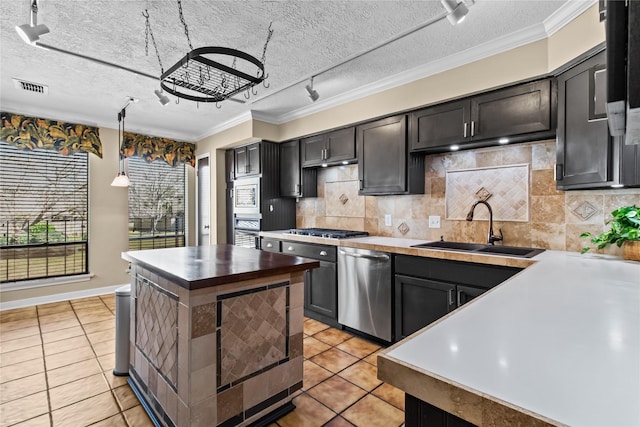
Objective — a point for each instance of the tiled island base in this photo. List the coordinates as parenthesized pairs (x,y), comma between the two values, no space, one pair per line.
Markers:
(224,355)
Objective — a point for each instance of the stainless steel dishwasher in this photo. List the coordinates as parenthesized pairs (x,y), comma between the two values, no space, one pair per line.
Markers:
(364,291)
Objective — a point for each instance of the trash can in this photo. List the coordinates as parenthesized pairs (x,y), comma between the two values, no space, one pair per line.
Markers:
(123,308)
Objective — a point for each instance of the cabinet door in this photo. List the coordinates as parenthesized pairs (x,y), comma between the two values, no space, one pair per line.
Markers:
(230,165)
(515,110)
(420,302)
(253,155)
(290,169)
(584,146)
(321,292)
(382,156)
(241,162)
(467,293)
(340,145)
(312,150)
(439,126)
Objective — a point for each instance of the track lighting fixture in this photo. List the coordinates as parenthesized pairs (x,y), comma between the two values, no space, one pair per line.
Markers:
(31,33)
(456,10)
(162,98)
(313,94)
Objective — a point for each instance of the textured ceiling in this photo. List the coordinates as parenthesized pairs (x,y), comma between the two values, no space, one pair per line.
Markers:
(309,36)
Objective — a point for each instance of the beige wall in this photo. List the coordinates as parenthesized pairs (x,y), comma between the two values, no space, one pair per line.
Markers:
(108,227)
(553,222)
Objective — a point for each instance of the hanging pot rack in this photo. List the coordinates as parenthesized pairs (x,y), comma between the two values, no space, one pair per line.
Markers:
(201,75)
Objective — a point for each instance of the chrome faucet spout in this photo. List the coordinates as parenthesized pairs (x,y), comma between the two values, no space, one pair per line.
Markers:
(491,238)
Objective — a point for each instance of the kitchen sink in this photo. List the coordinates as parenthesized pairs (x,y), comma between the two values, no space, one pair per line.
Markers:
(482,248)
(457,246)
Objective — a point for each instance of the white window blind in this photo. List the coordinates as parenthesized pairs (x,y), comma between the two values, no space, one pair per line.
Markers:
(156,204)
(43,214)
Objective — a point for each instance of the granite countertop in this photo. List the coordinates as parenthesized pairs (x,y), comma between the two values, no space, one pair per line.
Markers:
(557,344)
(196,267)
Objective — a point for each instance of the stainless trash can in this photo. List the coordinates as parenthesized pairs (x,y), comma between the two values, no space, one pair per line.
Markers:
(123,308)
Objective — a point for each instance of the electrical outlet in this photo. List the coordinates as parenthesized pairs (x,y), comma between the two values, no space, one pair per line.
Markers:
(434,221)
(387,220)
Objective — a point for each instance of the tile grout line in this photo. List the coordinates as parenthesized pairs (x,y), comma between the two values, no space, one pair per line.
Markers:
(44,364)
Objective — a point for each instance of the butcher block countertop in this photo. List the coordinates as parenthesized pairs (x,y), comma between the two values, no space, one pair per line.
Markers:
(557,344)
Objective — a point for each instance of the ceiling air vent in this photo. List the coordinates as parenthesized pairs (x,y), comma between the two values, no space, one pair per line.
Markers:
(31,87)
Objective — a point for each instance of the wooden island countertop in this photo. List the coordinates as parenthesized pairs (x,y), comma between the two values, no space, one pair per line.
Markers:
(197,267)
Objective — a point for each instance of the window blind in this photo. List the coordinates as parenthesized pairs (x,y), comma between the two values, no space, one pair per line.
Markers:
(43,214)
(156,204)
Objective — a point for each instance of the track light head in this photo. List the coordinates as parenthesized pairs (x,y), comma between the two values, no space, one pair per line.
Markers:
(313,94)
(456,10)
(31,34)
(162,98)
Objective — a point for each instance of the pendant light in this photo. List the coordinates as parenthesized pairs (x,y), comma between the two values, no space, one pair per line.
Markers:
(121,180)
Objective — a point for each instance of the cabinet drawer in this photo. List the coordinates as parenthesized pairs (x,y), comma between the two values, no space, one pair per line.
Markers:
(463,273)
(309,250)
(271,245)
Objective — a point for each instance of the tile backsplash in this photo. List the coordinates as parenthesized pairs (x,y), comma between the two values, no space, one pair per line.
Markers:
(529,209)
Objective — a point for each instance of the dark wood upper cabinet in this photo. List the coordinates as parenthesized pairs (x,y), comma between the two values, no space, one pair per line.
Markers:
(521,113)
(587,155)
(295,181)
(328,148)
(441,125)
(247,160)
(384,164)
(516,110)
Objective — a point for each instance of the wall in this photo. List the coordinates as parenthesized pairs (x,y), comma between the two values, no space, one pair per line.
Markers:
(555,219)
(108,228)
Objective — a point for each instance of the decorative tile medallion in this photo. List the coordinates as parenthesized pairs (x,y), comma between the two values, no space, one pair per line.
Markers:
(403,228)
(253,333)
(585,210)
(509,192)
(157,328)
(343,199)
(483,194)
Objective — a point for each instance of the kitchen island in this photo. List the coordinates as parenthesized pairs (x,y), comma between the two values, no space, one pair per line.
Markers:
(216,333)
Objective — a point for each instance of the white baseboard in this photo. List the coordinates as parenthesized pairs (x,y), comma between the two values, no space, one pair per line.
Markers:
(27,302)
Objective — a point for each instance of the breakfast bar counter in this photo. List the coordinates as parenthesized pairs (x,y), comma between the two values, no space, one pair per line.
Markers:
(216,333)
(557,344)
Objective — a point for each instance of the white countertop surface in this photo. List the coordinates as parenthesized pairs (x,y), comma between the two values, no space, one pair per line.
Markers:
(560,339)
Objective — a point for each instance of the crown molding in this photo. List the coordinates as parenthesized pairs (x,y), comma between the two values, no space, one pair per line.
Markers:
(239,119)
(565,14)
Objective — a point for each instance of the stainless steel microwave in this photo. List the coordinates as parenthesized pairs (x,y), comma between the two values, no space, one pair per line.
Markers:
(246,196)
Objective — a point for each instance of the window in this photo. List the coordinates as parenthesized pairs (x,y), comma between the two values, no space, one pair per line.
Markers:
(156,204)
(43,214)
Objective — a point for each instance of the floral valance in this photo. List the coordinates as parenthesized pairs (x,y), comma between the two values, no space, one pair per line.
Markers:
(153,148)
(27,133)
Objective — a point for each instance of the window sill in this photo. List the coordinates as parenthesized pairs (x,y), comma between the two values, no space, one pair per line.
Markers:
(39,283)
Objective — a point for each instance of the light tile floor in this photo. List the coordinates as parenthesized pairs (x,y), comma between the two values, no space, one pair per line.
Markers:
(56,363)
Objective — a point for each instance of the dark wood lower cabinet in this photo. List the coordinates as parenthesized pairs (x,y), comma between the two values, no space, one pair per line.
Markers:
(321,293)
(421,414)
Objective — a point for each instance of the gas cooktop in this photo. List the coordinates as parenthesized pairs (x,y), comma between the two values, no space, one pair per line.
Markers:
(326,232)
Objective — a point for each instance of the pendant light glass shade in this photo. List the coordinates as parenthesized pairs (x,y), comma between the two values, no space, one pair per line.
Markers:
(121,180)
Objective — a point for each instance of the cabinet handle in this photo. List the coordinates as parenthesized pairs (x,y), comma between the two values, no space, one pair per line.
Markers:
(473,128)
(460,298)
(451,297)
(362,184)
(290,248)
(323,253)
(326,153)
(297,189)
(231,176)
(269,245)
(465,130)
(231,193)
(559,172)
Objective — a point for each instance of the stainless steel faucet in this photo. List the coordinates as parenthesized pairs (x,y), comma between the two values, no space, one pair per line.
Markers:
(491,238)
